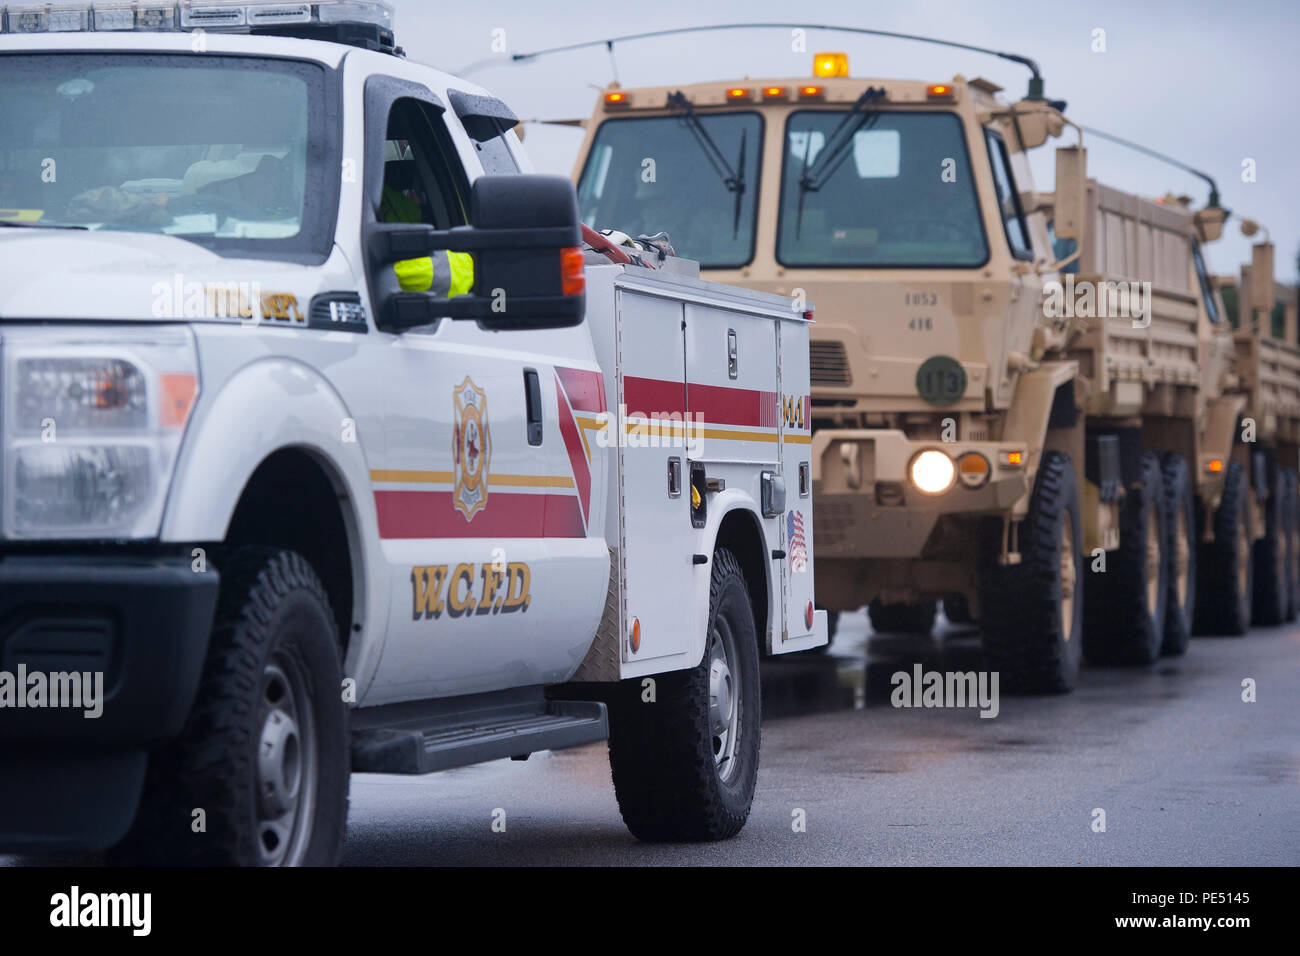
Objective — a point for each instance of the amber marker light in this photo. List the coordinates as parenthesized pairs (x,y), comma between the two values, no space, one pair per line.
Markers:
(737,93)
(573,275)
(636,634)
(810,92)
(1215,465)
(774,92)
(939,91)
(831,64)
(973,469)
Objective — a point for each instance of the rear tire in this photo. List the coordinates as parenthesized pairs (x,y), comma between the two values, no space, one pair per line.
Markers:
(910,618)
(1272,589)
(1225,569)
(1124,611)
(1032,612)
(685,765)
(264,753)
(1180,609)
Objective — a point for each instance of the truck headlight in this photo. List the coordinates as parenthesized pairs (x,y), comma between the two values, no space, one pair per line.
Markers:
(92,424)
(932,472)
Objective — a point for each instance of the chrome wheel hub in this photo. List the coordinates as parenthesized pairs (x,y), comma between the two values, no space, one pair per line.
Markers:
(724,700)
(286,766)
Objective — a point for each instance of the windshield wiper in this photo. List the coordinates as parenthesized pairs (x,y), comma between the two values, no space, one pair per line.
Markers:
(740,187)
(837,147)
(732,179)
(36,225)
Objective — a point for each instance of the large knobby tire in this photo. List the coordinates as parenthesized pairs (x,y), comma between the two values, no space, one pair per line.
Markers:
(910,618)
(1032,615)
(1272,592)
(685,764)
(1225,569)
(264,753)
(1291,524)
(1180,608)
(1124,609)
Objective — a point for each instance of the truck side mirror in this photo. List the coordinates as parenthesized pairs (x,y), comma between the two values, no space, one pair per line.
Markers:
(1070,206)
(525,237)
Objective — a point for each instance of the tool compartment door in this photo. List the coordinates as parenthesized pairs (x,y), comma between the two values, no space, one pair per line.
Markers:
(732,397)
(657,574)
(796,464)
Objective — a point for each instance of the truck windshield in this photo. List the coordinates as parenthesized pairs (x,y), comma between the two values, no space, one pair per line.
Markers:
(898,194)
(223,151)
(657,173)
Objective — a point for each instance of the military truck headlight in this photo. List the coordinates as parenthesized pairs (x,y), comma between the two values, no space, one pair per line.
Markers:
(92,425)
(932,472)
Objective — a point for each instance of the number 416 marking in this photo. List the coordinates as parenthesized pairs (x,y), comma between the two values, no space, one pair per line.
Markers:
(921,325)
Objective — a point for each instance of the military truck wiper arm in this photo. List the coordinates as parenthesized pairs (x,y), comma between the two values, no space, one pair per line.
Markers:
(836,149)
(837,146)
(734,180)
(740,187)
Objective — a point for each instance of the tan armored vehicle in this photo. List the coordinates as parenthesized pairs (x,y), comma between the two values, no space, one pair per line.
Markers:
(1266,371)
(988,428)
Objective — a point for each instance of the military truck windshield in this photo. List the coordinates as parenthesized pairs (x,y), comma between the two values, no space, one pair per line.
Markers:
(899,194)
(228,152)
(657,173)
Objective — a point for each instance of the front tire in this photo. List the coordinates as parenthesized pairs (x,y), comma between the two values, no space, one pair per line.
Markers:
(1272,587)
(264,753)
(685,764)
(1032,612)
(1125,607)
(1180,609)
(1226,566)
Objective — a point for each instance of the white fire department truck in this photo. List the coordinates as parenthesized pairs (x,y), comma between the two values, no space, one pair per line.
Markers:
(302,520)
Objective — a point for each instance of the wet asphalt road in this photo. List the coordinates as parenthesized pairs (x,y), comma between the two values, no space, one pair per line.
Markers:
(1186,772)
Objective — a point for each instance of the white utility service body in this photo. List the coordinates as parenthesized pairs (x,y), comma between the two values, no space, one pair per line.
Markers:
(486,531)
(714,377)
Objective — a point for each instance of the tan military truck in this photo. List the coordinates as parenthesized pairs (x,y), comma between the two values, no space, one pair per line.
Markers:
(975,438)
(1266,368)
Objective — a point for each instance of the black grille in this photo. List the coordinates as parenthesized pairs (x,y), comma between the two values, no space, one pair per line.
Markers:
(830,363)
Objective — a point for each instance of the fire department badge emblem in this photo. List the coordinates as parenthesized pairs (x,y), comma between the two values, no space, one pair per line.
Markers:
(471,448)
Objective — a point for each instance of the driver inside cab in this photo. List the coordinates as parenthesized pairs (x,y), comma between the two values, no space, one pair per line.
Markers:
(445,274)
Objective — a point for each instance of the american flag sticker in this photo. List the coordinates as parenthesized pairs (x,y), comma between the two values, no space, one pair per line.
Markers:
(794,535)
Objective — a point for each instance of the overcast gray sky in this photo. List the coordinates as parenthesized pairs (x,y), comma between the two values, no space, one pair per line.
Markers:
(1212,83)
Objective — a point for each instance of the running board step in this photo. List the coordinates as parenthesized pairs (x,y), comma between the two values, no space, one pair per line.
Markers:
(488,729)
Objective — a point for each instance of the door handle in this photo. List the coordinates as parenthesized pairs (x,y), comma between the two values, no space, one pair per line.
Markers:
(533,402)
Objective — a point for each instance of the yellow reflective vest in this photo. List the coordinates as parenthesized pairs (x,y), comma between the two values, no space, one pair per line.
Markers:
(445,274)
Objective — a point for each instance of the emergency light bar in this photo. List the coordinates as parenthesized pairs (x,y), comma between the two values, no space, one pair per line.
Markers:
(366,23)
